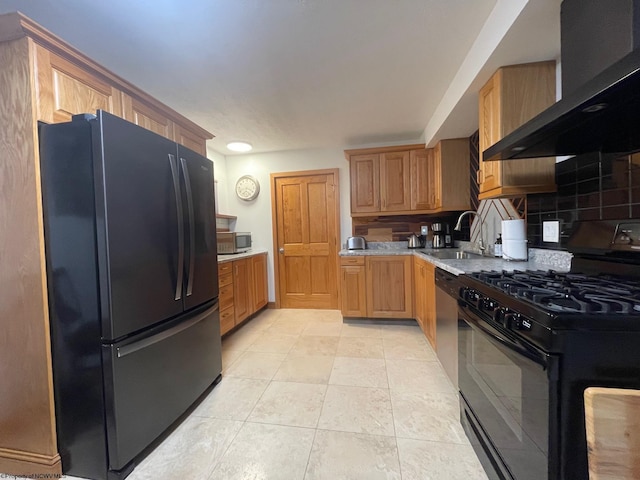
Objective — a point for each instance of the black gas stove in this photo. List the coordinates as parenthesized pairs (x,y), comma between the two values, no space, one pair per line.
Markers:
(530,342)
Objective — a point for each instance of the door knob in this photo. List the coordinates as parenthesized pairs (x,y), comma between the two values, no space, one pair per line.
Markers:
(281,250)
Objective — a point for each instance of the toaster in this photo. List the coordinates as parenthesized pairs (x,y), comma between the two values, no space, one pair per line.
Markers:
(356,243)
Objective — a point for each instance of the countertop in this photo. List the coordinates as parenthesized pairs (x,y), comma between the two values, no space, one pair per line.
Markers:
(238,256)
(547,260)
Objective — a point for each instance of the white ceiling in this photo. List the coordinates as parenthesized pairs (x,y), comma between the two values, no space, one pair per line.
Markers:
(297,74)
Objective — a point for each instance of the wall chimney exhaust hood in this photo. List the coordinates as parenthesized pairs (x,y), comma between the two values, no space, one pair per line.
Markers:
(601,116)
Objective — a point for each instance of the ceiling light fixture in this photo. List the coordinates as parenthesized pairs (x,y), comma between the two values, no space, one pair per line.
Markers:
(241,147)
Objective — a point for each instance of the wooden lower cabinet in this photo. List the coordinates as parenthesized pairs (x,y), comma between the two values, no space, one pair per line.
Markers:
(259,275)
(354,288)
(377,286)
(425,298)
(243,289)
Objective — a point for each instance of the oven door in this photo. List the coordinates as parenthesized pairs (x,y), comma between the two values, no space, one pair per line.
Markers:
(505,386)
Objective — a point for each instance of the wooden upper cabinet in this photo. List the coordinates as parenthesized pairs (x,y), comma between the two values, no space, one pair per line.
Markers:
(410,179)
(64,89)
(395,181)
(189,139)
(423,180)
(143,115)
(452,175)
(511,97)
(365,183)
(68,83)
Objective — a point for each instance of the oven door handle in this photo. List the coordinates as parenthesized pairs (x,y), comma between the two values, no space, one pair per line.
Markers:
(530,352)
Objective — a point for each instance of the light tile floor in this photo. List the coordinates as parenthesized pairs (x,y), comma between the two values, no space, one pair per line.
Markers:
(306,396)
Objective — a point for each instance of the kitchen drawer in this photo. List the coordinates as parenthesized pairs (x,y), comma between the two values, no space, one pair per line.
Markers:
(352,260)
(226,297)
(224,280)
(223,268)
(227,320)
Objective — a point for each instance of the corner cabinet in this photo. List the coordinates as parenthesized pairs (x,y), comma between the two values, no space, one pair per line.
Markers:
(243,289)
(511,97)
(409,179)
(377,286)
(425,295)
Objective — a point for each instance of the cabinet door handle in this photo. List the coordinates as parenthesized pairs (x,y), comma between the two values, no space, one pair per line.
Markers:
(480,176)
(281,250)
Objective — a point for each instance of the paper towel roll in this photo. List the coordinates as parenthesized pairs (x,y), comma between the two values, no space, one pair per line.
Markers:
(513,230)
(514,240)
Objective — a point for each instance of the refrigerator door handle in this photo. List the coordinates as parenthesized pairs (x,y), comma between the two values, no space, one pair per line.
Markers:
(192,228)
(176,189)
(159,337)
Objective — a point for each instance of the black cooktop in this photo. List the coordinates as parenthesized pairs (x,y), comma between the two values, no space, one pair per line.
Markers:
(568,292)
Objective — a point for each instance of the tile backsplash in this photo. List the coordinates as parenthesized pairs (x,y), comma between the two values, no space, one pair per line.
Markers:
(590,187)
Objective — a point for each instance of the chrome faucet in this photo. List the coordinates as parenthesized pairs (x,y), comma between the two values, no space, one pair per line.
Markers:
(458,227)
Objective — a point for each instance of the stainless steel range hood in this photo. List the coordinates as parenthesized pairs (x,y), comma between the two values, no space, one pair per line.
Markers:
(601,116)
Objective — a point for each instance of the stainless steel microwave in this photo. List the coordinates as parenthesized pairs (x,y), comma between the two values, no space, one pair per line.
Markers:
(233,242)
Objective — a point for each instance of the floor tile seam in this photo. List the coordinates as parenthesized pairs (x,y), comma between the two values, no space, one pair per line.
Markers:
(217,462)
(325,429)
(313,442)
(438,442)
(393,418)
(257,422)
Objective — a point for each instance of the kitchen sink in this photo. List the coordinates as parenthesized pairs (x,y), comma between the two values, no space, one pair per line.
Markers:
(455,255)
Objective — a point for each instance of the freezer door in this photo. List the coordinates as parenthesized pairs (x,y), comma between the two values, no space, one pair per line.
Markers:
(140,226)
(201,267)
(151,381)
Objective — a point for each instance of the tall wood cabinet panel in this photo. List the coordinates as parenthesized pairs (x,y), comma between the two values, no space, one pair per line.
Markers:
(27,417)
(41,79)
(511,97)
(189,139)
(389,286)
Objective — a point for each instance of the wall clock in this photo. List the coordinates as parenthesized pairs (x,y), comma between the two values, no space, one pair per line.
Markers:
(247,188)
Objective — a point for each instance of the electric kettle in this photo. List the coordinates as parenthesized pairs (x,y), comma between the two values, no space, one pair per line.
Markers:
(415,241)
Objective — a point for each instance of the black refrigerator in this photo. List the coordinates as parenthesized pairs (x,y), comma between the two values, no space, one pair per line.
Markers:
(130,240)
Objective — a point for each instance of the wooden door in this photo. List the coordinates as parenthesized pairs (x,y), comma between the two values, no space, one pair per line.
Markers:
(259,270)
(395,181)
(364,171)
(242,296)
(389,286)
(489,121)
(423,179)
(306,232)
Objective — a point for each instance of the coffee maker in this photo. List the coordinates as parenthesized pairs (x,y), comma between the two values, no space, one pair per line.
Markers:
(438,235)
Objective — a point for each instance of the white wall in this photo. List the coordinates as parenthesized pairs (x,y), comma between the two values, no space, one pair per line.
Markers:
(220,177)
(255,216)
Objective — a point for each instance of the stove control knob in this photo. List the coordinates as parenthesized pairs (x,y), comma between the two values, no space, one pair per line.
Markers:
(499,315)
(517,322)
(488,305)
